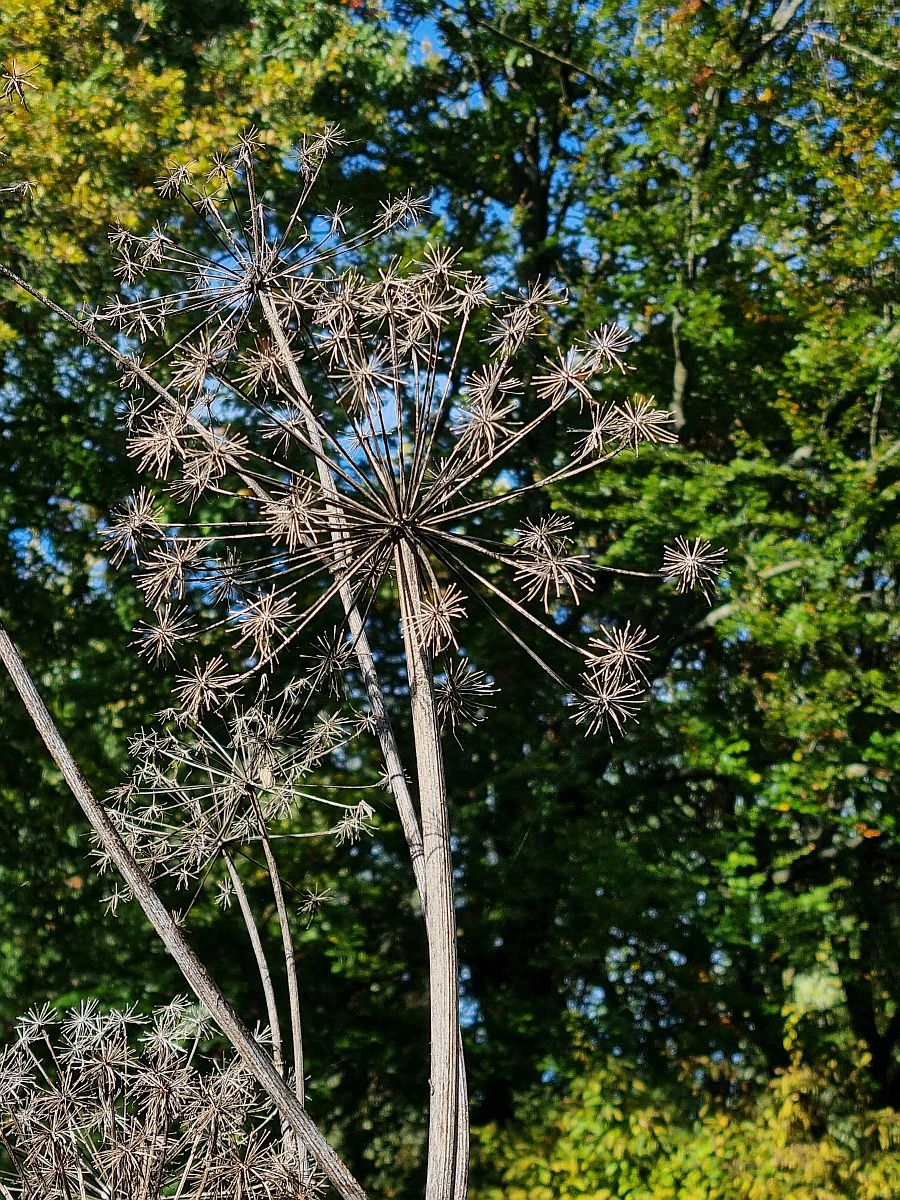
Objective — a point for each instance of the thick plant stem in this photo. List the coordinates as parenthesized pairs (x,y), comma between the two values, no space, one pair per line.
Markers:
(447,1112)
(195,973)
(461,1167)
(413,831)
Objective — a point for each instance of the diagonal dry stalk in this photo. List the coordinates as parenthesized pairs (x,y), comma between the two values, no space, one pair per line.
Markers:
(195,973)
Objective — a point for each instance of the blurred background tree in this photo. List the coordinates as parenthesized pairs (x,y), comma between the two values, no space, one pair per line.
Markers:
(713,899)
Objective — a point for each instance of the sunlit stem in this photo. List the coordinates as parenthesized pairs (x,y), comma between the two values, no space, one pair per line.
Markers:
(447,1111)
(265,974)
(290,966)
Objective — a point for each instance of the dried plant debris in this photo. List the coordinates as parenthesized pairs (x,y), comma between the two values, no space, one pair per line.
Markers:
(113,1104)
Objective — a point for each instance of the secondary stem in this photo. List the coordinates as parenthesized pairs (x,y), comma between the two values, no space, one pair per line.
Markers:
(265,974)
(290,966)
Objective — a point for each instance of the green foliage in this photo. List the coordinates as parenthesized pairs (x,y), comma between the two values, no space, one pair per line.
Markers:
(612,1136)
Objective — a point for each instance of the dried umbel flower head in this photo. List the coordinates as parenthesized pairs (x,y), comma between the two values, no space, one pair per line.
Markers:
(463,693)
(207,787)
(693,565)
(103,1104)
(17,84)
(620,653)
(336,423)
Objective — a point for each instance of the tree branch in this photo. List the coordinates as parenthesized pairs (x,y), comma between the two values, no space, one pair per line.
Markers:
(532,48)
(884,64)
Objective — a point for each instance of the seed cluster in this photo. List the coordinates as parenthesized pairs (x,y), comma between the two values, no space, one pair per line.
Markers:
(335,417)
(96,1104)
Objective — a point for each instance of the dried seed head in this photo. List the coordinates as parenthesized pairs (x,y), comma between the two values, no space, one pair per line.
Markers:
(97,1103)
(204,686)
(693,565)
(434,624)
(638,421)
(606,702)
(620,653)
(363,432)
(137,522)
(544,565)
(462,694)
(160,638)
(608,346)
(17,84)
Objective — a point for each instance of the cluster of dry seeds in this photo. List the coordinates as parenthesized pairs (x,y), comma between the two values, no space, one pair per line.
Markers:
(334,418)
(97,1105)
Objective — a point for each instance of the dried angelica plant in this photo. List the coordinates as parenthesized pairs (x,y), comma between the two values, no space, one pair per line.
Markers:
(328,442)
(256,747)
(329,448)
(254,1056)
(96,1104)
(205,794)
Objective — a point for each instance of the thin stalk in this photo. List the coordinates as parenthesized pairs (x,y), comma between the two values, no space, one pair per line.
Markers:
(195,973)
(290,966)
(265,974)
